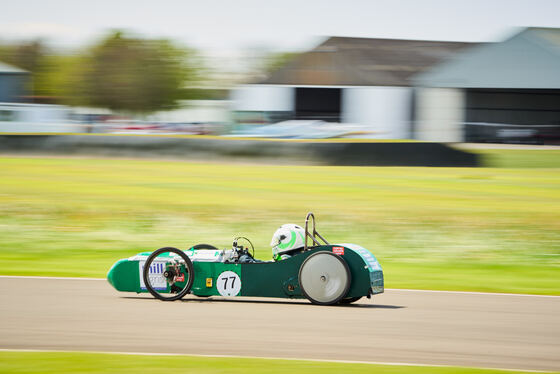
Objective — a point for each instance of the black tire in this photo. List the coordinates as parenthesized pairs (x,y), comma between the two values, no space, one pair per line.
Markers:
(203,246)
(350,300)
(338,268)
(188,267)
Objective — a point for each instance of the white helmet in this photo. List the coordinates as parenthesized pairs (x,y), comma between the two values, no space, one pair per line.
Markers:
(287,238)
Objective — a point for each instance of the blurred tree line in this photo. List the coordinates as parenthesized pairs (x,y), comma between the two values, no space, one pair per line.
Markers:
(120,72)
(276,60)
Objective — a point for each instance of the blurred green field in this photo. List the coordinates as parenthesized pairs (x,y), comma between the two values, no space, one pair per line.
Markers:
(73,362)
(519,158)
(478,229)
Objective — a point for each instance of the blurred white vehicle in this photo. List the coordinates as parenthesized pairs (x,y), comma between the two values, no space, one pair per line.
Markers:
(37,118)
(302,129)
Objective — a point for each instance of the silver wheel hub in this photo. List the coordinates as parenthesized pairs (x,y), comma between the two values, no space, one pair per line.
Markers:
(324,278)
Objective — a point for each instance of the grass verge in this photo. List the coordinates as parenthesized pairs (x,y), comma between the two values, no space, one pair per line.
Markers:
(475,229)
(519,158)
(76,362)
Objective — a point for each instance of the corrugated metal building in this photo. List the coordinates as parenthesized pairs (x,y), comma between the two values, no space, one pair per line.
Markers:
(498,92)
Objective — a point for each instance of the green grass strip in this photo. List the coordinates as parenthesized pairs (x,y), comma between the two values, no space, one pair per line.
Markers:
(468,229)
(519,158)
(77,362)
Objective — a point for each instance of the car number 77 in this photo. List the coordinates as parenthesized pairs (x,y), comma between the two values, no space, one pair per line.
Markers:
(225,279)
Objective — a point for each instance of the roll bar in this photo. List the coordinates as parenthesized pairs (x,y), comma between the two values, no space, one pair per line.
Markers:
(314,234)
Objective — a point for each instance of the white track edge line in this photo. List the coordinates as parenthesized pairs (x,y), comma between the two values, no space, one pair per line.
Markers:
(270,358)
(387,289)
(471,292)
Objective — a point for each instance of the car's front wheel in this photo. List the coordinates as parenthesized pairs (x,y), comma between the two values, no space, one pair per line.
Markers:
(168,274)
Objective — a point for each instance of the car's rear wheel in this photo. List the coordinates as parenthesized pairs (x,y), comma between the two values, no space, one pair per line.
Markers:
(168,274)
(324,278)
(203,246)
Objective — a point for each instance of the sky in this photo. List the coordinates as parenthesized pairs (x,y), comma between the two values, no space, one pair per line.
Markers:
(222,27)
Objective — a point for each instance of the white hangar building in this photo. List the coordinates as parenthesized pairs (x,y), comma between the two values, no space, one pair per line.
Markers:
(351,80)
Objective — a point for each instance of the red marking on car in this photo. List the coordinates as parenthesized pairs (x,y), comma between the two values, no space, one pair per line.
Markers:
(338,250)
(180,278)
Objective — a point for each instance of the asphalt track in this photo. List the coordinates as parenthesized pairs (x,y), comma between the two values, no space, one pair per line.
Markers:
(435,328)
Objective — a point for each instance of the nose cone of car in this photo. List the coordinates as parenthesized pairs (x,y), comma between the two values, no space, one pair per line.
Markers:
(124,275)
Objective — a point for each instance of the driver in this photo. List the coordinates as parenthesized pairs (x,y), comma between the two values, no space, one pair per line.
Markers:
(287,241)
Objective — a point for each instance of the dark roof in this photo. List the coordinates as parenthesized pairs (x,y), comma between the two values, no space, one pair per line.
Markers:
(341,61)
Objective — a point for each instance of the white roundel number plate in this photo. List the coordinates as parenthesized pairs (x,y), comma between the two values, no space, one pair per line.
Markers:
(228,283)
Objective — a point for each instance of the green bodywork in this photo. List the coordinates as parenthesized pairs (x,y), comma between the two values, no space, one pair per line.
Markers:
(262,279)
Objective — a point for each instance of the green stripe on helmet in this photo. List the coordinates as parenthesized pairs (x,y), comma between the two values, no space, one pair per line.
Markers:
(291,243)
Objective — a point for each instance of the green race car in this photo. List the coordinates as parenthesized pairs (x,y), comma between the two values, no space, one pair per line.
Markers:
(323,273)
